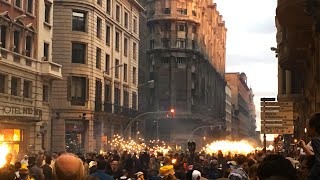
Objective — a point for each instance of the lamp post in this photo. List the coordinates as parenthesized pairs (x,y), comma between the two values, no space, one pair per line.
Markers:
(202,127)
(117,66)
(139,116)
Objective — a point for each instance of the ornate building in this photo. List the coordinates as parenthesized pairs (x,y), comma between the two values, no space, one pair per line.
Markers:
(97,42)
(26,75)
(185,57)
(298,58)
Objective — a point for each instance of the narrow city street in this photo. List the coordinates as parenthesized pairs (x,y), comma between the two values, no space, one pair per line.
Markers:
(159,89)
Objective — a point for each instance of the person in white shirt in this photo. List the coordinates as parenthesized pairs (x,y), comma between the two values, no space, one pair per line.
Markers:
(25,160)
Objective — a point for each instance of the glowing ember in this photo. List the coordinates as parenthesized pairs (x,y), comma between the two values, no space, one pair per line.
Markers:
(4,149)
(232,147)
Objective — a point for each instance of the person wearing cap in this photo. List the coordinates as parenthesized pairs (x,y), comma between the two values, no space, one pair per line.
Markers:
(25,160)
(166,170)
(140,175)
(24,173)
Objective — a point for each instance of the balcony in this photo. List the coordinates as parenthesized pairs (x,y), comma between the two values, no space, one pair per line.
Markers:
(17,60)
(292,13)
(179,17)
(51,69)
(120,110)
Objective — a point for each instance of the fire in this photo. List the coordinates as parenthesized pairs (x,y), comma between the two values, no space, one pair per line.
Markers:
(4,149)
(232,147)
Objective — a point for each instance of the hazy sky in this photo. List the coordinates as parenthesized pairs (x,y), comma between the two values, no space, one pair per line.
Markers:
(251,33)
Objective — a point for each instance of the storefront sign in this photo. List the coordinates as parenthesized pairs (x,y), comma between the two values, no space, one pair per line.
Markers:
(20,111)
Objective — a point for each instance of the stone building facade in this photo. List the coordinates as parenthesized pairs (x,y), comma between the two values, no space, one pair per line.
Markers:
(298,49)
(27,72)
(97,42)
(186,59)
(229,111)
(243,120)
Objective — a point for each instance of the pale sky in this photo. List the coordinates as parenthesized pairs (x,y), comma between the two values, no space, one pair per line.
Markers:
(251,33)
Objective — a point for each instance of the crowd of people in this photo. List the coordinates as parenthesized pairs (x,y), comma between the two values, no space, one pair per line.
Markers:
(171,166)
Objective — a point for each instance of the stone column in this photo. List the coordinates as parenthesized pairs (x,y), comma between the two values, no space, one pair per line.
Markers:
(288,82)
(280,80)
(89,145)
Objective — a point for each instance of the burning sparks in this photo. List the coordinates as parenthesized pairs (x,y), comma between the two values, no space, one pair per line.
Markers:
(4,149)
(119,143)
(229,147)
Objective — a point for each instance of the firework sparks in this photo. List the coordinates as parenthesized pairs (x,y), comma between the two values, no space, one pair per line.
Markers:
(229,147)
(4,149)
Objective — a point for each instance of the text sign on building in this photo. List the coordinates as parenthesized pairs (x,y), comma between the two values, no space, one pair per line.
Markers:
(20,111)
(280,109)
(277,117)
(277,130)
(282,104)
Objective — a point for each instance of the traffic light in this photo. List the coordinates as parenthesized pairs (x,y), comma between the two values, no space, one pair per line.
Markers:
(171,113)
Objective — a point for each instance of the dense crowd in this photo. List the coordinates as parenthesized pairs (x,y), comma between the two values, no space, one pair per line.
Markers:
(172,166)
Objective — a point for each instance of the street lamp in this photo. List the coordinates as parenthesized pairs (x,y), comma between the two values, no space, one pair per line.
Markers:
(117,66)
(146,83)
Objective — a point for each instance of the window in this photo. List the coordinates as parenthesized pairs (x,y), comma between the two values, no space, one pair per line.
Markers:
(2,83)
(118,13)
(47,12)
(117,96)
(18,3)
(152,44)
(99,2)
(182,11)
(134,75)
(181,27)
(135,25)
(15,86)
(167,11)
(165,60)
(3,36)
(125,72)
(167,26)
(107,64)
(78,90)
(28,46)
(16,39)
(78,21)
(99,22)
(45,93)
(30,6)
(194,13)
(46,51)
(108,33)
(125,44)
(166,43)
(126,19)
(125,98)
(78,53)
(107,93)
(194,29)
(180,60)
(27,89)
(108,6)
(151,28)
(117,68)
(193,44)
(117,42)
(181,43)
(134,51)
(98,58)
(134,100)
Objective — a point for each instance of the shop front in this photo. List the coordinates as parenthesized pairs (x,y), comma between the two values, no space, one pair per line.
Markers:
(75,136)
(19,130)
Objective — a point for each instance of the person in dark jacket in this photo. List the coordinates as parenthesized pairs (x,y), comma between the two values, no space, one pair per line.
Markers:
(47,170)
(100,173)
